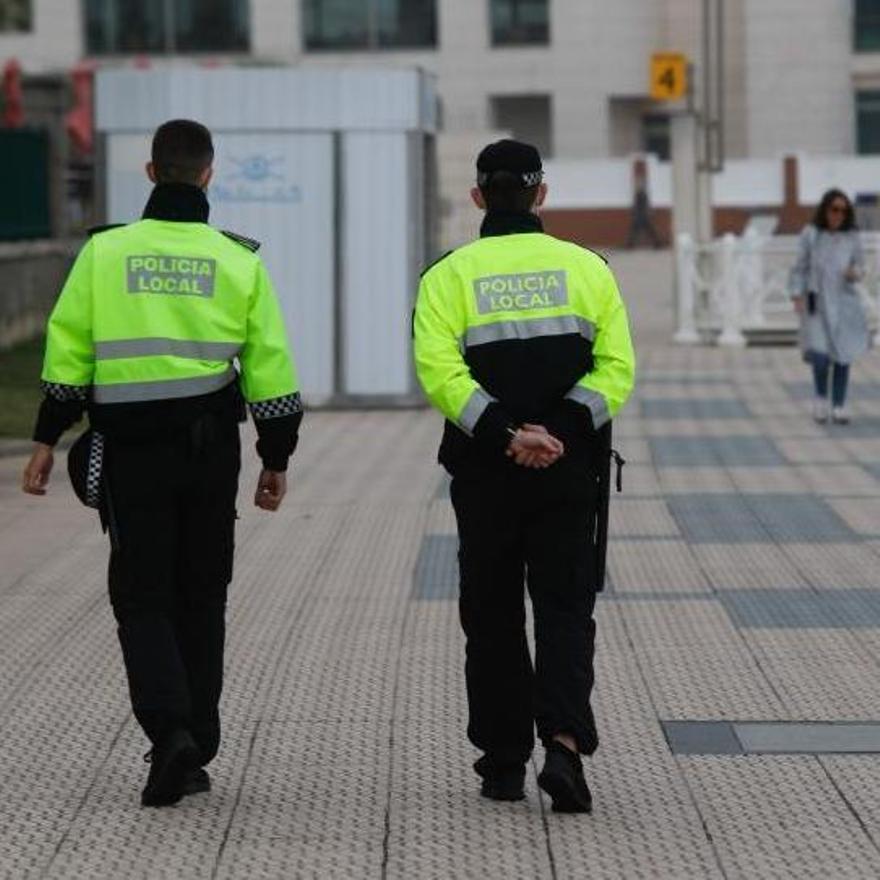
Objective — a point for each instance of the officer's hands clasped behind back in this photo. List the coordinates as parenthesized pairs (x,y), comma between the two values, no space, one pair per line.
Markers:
(533,446)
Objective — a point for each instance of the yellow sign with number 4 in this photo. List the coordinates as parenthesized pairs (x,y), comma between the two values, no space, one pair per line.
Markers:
(669,76)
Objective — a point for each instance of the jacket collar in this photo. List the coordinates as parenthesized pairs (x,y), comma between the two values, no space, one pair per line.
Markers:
(510,223)
(180,202)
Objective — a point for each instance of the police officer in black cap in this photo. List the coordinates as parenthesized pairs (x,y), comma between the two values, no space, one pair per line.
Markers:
(522,342)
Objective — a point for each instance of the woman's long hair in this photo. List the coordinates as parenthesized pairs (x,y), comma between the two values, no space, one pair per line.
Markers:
(820,218)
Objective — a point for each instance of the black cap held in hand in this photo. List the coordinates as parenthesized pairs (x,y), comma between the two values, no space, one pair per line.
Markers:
(513,157)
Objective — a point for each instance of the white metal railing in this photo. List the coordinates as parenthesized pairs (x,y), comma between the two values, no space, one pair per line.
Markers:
(737,286)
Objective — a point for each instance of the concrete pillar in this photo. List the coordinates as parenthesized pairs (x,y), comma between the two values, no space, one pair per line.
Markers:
(685,222)
(685,216)
(731,307)
(685,283)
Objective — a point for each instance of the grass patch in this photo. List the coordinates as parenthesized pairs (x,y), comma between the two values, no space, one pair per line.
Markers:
(20,393)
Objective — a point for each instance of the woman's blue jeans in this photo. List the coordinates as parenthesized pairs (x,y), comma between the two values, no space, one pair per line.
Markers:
(822,365)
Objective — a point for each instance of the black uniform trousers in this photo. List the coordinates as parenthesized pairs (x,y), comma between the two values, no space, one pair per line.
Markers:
(521,527)
(173,503)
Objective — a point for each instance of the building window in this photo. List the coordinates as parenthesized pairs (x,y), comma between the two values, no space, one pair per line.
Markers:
(868,121)
(370,24)
(867,26)
(527,118)
(15,15)
(117,27)
(656,135)
(520,22)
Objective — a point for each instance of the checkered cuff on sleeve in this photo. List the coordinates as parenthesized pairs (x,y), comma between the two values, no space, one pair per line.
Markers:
(65,393)
(288,405)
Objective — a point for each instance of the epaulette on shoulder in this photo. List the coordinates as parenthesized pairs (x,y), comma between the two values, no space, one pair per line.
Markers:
(439,259)
(599,254)
(103,228)
(250,243)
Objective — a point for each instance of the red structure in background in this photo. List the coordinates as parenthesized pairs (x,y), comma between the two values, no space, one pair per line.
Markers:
(608,227)
(80,120)
(13,100)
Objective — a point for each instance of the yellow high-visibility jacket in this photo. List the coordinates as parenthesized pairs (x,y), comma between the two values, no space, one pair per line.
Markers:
(158,310)
(519,327)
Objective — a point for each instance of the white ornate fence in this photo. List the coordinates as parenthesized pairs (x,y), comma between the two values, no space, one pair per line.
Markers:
(736,288)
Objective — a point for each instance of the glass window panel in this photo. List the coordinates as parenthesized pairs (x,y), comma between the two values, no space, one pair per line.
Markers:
(406,23)
(124,26)
(520,22)
(868,121)
(211,25)
(15,15)
(528,118)
(867,26)
(336,24)
(656,135)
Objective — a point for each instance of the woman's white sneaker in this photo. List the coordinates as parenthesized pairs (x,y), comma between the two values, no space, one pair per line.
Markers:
(839,416)
(820,411)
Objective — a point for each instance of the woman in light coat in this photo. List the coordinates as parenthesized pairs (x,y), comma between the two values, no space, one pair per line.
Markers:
(834,327)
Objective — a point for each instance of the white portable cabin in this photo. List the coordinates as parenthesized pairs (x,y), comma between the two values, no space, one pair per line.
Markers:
(333,171)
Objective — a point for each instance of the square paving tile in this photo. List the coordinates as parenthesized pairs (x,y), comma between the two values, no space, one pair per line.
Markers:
(701,738)
(436,573)
(683,451)
(802,609)
(857,390)
(695,408)
(732,518)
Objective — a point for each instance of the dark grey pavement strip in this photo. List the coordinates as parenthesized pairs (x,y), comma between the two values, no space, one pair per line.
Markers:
(701,738)
(436,573)
(772,737)
(683,379)
(776,608)
(859,428)
(657,595)
(694,408)
(857,390)
(733,518)
(733,451)
(802,609)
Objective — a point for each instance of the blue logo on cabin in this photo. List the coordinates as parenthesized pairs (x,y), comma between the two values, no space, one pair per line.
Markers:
(255,177)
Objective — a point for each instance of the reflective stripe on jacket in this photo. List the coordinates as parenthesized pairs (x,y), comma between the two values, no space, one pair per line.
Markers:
(524,321)
(158,310)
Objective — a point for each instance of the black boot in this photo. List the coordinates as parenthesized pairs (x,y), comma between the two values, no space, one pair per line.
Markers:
(170,764)
(563,779)
(197,781)
(501,782)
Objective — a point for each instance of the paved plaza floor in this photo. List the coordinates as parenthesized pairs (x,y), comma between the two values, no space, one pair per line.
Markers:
(738,666)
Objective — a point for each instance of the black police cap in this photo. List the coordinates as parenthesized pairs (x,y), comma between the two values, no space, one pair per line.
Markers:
(514,157)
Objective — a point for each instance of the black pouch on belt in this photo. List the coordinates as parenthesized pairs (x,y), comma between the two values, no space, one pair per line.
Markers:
(85,467)
(811,302)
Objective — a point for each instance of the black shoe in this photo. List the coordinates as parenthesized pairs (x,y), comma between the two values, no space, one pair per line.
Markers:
(170,764)
(501,782)
(197,781)
(563,779)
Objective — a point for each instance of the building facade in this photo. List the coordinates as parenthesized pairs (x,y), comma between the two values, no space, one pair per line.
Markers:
(570,75)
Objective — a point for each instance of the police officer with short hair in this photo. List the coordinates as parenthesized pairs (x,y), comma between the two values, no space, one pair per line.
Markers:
(522,342)
(143,336)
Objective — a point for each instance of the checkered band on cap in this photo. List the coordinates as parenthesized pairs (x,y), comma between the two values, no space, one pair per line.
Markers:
(65,393)
(94,478)
(288,405)
(528,178)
